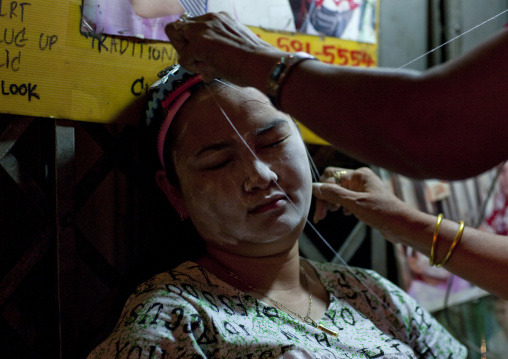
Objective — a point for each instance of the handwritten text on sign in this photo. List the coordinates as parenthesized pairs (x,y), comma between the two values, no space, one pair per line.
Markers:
(48,68)
(13,37)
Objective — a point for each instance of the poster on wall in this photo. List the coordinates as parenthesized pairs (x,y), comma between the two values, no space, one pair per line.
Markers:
(353,20)
(62,59)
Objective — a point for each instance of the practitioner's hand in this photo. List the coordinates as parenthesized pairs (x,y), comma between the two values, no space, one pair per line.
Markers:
(216,46)
(361,193)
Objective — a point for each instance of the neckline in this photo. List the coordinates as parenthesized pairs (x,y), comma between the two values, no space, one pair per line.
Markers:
(230,287)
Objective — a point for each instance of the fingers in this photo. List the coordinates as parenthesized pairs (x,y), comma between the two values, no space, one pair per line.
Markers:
(322,208)
(338,175)
(320,211)
(324,204)
(174,31)
(329,192)
(329,198)
(190,29)
(329,172)
(188,36)
(216,46)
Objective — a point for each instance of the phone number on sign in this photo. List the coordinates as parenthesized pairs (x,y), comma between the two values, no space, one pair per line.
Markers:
(331,54)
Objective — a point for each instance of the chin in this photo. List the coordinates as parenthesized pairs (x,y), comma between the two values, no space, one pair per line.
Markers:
(285,227)
(272,234)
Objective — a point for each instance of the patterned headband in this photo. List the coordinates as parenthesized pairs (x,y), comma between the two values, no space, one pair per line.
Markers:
(169,94)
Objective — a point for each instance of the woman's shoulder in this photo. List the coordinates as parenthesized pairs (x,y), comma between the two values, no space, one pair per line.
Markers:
(153,313)
(186,274)
(177,288)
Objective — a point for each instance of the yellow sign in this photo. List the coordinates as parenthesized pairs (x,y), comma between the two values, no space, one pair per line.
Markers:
(331,50)
(48,68)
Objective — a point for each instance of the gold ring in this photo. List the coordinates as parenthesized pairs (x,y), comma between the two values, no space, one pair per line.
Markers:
(337,175)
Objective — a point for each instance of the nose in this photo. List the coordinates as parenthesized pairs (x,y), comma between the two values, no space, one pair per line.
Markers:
(259,175)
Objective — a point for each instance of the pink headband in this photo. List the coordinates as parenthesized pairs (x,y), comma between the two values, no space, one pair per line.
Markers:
(172,90)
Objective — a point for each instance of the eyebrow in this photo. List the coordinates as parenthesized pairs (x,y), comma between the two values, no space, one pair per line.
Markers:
(214,147)
(272,125)
(257,132)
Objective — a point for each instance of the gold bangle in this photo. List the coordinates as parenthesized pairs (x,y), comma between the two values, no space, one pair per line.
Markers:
(453,246)
(434,239)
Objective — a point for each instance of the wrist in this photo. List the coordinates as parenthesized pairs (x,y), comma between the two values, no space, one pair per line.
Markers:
(258,66)
(410,227)
(279,73)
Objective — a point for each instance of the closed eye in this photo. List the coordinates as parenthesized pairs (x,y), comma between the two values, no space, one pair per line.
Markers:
(276,143)
(218,165)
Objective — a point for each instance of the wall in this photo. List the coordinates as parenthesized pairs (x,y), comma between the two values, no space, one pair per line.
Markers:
(411,28)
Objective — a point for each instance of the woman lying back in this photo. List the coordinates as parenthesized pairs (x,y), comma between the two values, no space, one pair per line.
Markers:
(247,191)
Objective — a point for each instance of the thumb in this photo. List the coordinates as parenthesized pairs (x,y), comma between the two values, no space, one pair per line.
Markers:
(326,194)
(329,192)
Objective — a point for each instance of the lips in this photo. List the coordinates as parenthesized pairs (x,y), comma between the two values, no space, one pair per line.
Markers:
(269,204)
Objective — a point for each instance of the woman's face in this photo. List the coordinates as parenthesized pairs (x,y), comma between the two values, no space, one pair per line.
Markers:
(231,195)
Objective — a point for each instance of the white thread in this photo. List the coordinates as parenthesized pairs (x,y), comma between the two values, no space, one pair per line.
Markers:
(314,170)
(455,38)
(313,167)
(391,310)
(239,90)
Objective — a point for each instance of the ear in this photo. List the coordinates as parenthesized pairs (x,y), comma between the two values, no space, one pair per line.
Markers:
(172,193)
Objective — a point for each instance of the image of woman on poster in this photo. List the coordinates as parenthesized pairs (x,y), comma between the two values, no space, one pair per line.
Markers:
(268,14)
(118,18)
(353,20)
(346,19)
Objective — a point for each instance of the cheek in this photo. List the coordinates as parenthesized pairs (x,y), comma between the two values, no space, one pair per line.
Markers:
(213,208)
(211,196)
(297,175)
(298,162)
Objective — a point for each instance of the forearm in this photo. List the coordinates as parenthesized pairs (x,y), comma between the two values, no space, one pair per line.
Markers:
(419,125)
(350,108)
(480,257)
(447,122)
(358,111)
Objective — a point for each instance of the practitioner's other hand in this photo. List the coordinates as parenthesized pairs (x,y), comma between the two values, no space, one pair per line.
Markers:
(360,192)
(216,46)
